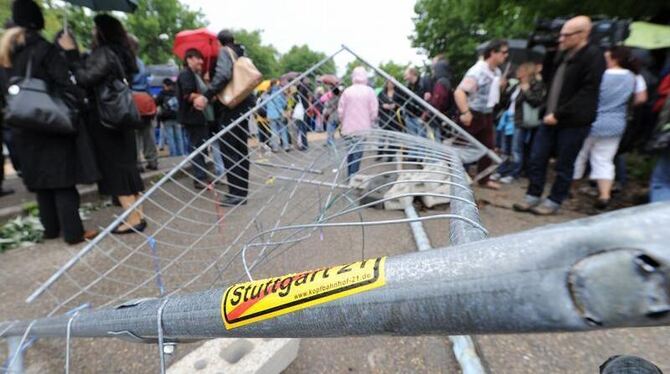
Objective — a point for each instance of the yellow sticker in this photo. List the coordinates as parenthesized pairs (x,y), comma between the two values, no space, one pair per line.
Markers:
(259,300)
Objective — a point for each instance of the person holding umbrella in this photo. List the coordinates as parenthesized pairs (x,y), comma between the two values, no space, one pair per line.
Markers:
(115,150)
(49,160)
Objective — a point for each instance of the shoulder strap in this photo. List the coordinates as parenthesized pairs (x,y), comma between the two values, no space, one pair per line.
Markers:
(232,54)
(29,67)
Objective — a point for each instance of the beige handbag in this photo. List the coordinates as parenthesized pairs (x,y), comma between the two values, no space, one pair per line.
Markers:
(245,79)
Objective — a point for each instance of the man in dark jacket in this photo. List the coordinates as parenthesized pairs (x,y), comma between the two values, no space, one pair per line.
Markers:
(234,142)
(190,90)
(571,108)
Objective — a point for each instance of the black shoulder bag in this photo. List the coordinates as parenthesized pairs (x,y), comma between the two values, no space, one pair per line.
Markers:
(30,106)
(114,100)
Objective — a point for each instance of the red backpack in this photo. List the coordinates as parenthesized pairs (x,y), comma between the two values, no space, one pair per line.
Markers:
(145,104)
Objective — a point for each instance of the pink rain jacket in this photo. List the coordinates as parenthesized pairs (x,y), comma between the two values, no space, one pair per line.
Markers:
(358,104)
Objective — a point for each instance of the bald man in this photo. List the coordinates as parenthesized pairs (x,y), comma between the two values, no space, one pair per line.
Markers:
(570,109)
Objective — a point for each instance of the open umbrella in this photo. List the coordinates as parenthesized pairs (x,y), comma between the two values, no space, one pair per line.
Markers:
(329,79)
(203,40)
(289,76)
(127,6)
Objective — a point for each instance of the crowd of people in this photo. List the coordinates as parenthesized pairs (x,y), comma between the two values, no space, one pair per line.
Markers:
(578,118)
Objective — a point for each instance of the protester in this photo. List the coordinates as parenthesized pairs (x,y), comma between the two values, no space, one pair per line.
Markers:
(303,98)
(389,113)
(412,108)
(528,98)
(477,94)
(233,143)
(571,108)
(388,107)
(116,150)
(442,95)
(50,161)
(145,141)
(190,87)
(275,108)
(616,89)
(330,116)
(261,116)
(168,106)
(357,110)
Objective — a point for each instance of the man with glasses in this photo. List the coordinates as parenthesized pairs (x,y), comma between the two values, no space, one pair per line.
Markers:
(477,94)
(571,108)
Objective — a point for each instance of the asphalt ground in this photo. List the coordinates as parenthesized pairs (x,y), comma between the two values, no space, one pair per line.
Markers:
(23,269)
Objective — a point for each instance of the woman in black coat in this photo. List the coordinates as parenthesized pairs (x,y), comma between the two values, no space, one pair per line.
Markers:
(110,57)
(49,161)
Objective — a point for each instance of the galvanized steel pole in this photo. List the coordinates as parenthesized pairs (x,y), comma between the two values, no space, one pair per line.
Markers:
(608,271)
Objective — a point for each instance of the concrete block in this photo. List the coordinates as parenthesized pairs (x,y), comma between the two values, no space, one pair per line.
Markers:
(399,203)
(436,188)
(245,356)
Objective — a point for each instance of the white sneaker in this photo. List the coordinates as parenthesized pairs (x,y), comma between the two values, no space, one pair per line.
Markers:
(495,176)
(506,180)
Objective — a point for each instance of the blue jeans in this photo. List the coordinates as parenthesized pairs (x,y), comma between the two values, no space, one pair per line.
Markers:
(219,167)
(302,134)
(279,129)
(659,186)
(413,126)
(567,142)
(198,135)
(520,147)
(330,128)
(187,141)
(354,154)
(173,135)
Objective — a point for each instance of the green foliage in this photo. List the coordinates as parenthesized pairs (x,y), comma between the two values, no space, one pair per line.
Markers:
(301,58)
(393,69)
(5,11)
(161,17)
(264,56)
(20,232)
(456,27)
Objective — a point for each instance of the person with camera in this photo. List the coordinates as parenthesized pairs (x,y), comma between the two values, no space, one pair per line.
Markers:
(570,110)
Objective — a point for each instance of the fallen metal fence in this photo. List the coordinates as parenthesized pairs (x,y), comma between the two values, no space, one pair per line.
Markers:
(204,270)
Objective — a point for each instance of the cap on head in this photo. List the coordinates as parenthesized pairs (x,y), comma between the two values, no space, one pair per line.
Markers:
(225,37)
(26,13)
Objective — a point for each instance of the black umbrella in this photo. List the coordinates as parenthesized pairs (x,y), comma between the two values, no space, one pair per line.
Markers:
(127,6)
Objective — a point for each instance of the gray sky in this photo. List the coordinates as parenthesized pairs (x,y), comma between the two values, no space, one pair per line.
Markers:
(376,29)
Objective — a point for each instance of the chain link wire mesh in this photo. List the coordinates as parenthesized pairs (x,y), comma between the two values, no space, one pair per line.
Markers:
(300,210)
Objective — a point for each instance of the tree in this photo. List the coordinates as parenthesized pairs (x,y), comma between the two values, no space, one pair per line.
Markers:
(395,70)
(301,58)
(456,28)
(5,11)
(263,56)
(156,22)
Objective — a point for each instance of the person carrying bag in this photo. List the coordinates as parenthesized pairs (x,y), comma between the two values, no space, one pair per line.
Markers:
(31,105)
